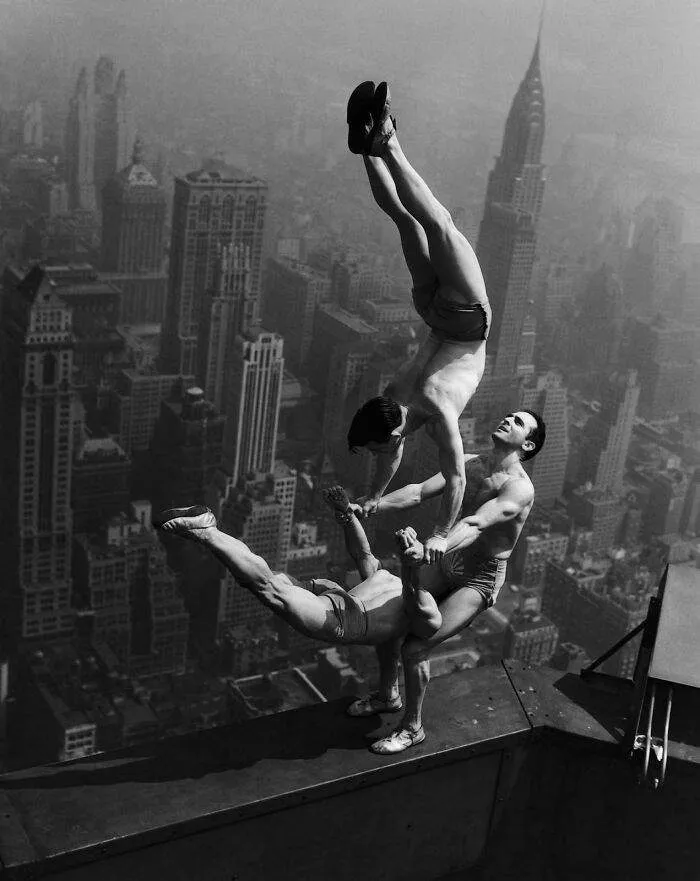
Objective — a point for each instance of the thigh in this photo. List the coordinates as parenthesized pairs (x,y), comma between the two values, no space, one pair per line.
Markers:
(312,615)
(455,263)
(458,610)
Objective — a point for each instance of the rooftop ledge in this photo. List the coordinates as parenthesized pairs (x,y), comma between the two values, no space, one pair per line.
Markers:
(298,795)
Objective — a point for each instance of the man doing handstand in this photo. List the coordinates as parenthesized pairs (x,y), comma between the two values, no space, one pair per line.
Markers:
(449,294)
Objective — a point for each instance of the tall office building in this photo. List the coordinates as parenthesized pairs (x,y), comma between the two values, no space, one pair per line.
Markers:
(221,320)
(654,261)
(607,434)
(133,218)
(253,406)
(80,145)
(664,352)
(214,207)
(259,510)
(38,404)
(334,327)
(547,396)
(98,136)
(112,123)
(506,241)
(187,446)
(292,292)
(599,330)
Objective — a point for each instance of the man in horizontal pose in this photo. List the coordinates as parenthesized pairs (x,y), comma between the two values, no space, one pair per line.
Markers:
(449,294)
(411,614)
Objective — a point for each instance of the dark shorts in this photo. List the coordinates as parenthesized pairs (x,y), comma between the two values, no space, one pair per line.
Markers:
(485,575)
(449,320)
(350,613)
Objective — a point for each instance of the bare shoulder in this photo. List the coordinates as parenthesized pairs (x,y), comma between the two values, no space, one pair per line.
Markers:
(519,489)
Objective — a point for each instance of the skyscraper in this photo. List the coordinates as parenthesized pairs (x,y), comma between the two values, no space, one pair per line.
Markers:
(654,260)
(186,448)
(214,207)
(253,406)
(38,403)
(293,291)
(607,434)
(664,352)
(506,241)
(98,135)
(259,510)
(133,217)
(112,123)
(547,396)
(80,145)
(221,320)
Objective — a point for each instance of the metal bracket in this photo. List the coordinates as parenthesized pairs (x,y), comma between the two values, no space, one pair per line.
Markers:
(656,747)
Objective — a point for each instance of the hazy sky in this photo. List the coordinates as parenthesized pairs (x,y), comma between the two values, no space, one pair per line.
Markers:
(629,63)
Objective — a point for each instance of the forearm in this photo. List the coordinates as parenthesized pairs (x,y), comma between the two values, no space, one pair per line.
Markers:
(400,499)
(450,506)
(357,545)
(462,535)
(387,466)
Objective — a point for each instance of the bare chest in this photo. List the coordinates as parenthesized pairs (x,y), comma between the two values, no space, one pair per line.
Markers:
(481,486)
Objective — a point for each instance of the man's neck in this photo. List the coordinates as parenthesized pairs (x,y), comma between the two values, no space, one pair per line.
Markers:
(503,459)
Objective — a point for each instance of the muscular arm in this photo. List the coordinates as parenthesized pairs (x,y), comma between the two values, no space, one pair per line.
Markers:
(514,495)
(411,495)
(451,457)
(357,545)
(386,468)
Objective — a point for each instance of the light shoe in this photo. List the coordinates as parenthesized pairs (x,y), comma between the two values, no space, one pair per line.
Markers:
(398,741)
(185,521)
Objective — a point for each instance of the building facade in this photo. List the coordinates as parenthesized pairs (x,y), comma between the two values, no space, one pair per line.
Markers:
(214,207)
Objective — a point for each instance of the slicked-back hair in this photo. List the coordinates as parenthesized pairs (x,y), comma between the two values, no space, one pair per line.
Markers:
(374,421)
(538,435)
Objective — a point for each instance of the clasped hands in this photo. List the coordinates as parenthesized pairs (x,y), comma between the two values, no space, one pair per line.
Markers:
(416,553)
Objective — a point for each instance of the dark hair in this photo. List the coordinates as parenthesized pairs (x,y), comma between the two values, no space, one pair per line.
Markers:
(374,421)
(538,435)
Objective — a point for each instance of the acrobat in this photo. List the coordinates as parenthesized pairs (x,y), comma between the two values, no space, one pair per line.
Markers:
(402,617)
(449,294)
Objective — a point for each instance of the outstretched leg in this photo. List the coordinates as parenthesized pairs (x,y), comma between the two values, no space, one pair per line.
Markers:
(452,257)
(413,239)
(312,615)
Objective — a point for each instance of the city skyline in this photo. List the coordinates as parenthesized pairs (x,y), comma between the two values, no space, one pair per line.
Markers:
(189,334)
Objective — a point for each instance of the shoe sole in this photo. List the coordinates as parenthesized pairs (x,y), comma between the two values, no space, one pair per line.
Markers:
(359,105)
(173,513)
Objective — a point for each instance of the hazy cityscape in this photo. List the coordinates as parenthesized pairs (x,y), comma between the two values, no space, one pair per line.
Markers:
(198,292)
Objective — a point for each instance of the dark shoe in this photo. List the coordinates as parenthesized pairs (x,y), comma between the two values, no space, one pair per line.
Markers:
(384,124)
(359,116)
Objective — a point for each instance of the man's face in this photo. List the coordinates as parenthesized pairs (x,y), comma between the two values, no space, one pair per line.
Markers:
(388,446)
(515,429)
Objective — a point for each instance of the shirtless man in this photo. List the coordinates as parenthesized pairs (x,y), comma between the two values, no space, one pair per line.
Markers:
(497,501)
(449,294)
(383,610)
